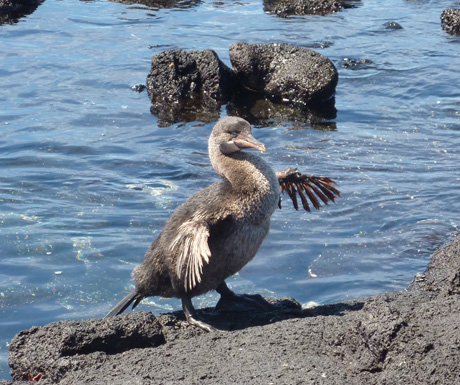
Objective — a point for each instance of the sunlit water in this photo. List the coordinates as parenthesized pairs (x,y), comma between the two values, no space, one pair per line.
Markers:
(89,177)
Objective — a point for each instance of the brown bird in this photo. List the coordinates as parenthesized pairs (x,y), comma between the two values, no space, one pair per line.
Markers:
(219,229)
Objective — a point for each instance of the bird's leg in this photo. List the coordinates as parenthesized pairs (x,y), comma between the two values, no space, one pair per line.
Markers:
(225,291)
(231,301)
(192,317)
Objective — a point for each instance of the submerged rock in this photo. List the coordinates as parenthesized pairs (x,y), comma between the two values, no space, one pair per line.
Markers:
(263,112)
(284,73)
(184,4)
(450,20)
(356,63)
(392,25)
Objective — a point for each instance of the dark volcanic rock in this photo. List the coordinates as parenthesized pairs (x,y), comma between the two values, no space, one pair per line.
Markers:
(192,86)
(450,20)
(409,337)
(286,8)
(12,10)
(302,7)
(66,346)
(392,25)
(284,73)
(443,272)
(356,63)
(181,81)
(177,74)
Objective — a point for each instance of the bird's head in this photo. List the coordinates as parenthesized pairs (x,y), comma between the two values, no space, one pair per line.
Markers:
(233,134)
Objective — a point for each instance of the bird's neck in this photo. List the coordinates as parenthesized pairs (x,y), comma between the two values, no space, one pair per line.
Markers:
(246,172)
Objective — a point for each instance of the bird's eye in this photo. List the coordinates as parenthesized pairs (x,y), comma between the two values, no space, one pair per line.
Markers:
(234,134)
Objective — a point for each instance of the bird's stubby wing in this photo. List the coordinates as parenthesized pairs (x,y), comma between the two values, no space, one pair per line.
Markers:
(192,250)
(294,183)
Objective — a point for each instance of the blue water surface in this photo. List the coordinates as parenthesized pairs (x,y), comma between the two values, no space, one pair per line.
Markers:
(88,176)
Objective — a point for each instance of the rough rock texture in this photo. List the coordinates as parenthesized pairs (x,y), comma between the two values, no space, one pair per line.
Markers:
(443,272)
(12,10)
(450,20)
(408,337)
(192,86)
(55,349)
(180,82)
(284,73)
(284,8)
(302,7)
(176,74)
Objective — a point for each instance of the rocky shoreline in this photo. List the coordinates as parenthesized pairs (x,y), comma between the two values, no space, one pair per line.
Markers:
(412,336)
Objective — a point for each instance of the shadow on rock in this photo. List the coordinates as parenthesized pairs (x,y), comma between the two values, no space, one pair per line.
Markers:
(66,346)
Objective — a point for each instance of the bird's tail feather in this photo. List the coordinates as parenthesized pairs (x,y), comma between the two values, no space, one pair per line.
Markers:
(121,306)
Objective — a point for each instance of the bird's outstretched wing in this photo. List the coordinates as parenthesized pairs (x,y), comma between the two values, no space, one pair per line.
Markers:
(294,183)
(191,247)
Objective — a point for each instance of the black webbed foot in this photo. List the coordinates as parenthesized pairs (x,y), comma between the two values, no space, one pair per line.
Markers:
(229,301)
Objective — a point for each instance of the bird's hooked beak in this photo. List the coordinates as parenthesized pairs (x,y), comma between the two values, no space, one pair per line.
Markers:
(245,140)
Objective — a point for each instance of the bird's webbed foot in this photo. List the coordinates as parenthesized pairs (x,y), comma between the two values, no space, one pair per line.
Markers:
(229,301)
(193,318)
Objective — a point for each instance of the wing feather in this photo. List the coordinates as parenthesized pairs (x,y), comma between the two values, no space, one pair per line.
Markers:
(304,200)
(293,182)
(192,249)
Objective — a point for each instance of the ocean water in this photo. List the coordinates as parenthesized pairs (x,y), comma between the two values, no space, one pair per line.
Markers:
(88,176)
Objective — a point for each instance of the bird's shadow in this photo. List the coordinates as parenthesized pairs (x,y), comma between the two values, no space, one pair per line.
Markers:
(237,319)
